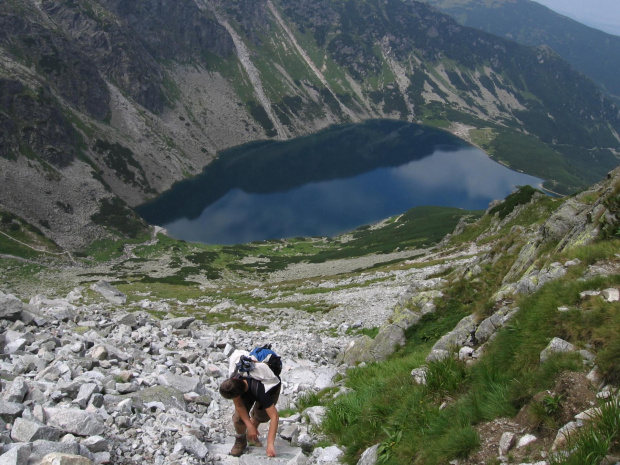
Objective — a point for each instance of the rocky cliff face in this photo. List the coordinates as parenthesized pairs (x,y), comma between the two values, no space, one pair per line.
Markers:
(128,98)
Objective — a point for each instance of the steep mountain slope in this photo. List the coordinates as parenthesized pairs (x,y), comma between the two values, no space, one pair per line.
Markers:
(593,52)
(509,326)
(107,103)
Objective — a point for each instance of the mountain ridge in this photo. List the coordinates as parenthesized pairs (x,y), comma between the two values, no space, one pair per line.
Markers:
(589,50)
(154,114)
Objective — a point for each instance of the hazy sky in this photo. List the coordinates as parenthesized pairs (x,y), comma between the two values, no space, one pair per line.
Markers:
(601,14)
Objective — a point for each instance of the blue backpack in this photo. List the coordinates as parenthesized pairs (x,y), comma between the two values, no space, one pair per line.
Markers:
(262,354)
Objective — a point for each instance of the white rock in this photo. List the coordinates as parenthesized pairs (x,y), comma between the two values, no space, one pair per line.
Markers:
(556,345)
(526,440)
(17,455)
(611,295)
(563,434)
(466,353)
(57,458)
(370,456)
(588,415)
(419,375)
(585,294)
(507,442)
(327,455)
(315,414)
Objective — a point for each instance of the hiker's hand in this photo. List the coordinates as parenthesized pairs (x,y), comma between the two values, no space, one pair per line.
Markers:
(271,450)
(252,433)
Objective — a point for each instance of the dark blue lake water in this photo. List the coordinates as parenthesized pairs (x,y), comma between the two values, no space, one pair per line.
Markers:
(330,182)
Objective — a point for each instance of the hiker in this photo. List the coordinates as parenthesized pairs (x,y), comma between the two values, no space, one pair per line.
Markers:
(254,388)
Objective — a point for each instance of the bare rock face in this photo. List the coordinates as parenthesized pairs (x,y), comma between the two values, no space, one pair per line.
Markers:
(63,64)
(38,120)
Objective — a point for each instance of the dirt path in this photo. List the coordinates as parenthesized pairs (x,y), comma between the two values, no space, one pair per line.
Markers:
(36,249)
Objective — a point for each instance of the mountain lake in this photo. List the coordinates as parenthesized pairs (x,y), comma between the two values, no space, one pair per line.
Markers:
(330,182)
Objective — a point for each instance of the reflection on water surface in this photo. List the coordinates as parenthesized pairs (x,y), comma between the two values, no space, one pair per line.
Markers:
(330,182)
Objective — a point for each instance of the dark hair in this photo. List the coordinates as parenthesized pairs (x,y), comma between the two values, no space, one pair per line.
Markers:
(231,388)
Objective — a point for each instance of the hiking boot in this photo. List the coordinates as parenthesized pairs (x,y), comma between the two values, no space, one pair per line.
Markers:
(240,444)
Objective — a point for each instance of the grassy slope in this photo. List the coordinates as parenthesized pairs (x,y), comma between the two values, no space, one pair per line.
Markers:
(388,408)
(177,269)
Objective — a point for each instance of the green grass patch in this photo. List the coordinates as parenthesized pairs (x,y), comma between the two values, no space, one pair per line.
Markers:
(114,214)
(370,332)
(11,247)
(104,250)
(484,138)
(417,228)
(520,197)
(529,154)
(21,232)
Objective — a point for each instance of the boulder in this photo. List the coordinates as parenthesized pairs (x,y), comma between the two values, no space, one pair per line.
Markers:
(507,442)
(57,458)
(358,351)
(288,432)
(166,396)
(41,448)
(17,391)
(10,307)
(85,393)
(315,414)
(28,431)
(405,318)
(74,421)
(96,444)
(177,323)
(9,411)
(526,440)
(556,345)
(461,335)
(419,375)
(564,433)
(17,455)
(109,292)
(563,220)
(437,355)
(611,295)
(128,319)
(327,455)
(390,338)
(194,446)
(370,456)
(181,383)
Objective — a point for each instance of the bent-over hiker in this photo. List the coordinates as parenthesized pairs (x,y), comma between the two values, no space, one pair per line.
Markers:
(255,393)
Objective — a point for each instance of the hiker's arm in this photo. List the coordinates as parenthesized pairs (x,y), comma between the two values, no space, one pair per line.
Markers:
(245,417)
(273,430)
